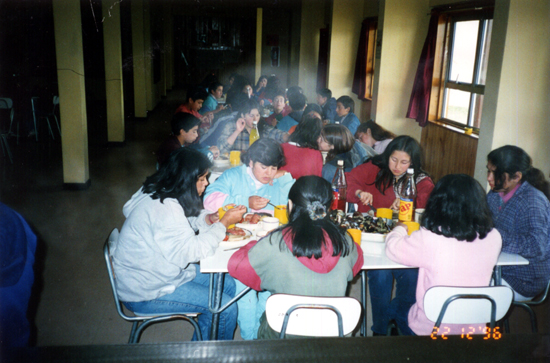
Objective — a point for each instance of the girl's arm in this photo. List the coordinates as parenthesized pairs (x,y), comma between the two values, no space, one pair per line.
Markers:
(423,190)
(356,182)
(240,268)
(405,249)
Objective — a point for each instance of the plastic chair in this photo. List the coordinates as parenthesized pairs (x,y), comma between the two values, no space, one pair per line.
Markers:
(312,316)
(38,113)
(5,130)
(140,322)
(527,306)
(467,305)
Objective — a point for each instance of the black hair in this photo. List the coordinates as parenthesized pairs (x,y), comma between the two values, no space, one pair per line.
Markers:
(308,131)
(259,80)
(266,151)
(272,88)
(177,178)
(214,86)
(294,90)
(309,220)
(340,137)
(511,159)
(313,107)
(297,101)
(377,132)
(347,101)
(404,143)
(197,93)
(248,105)
(325,92)
(239,82)
(183,121)
(457,208)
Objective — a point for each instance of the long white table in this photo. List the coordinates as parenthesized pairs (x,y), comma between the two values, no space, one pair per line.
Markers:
(216,265)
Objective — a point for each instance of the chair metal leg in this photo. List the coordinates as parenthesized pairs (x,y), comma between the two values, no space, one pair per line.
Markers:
(531,315)
(6,147)
(133,332)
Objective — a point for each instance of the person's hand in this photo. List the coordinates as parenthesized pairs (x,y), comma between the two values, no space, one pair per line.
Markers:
(210,116)
(220,107)
(365,197)
(241,124)
(286,136)
(234,215)
(257,203)
(403,225)
(395,204)
(212,218)
(215,151)
(205,119)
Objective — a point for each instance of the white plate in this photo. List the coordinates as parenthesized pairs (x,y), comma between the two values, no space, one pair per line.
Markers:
(248,226)
(221,162)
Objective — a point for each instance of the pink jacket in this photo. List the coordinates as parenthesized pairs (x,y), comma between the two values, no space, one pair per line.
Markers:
(442,261)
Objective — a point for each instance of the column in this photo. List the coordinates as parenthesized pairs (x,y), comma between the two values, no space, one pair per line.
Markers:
(259,24)
(138,51)
(72,94)
(113,71)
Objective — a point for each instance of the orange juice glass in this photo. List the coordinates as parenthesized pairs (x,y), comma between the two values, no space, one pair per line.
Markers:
(384,213)
(281,214)
(412,226)
(355,235)
(235,158)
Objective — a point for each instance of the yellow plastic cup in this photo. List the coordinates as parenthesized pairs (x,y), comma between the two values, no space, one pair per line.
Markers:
(384,213)
(355,235)
(412,226)
(235,158)
(281,214)
(222,210)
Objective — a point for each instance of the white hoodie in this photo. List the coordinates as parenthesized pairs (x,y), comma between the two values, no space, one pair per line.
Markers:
(156,245)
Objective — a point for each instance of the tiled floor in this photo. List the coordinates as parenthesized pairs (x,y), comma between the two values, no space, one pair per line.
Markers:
(73,304)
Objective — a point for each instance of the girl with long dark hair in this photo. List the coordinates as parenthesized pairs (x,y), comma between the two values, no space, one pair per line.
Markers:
(166,231)
(456,246)
(519,203)
(377,183)
(308,256)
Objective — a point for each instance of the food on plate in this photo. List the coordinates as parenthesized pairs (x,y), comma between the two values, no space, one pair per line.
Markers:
(365,223)
(236,234)
(254,218)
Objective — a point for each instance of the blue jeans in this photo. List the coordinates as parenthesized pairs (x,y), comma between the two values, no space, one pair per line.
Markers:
(193,297)
(383,307)
(251,308)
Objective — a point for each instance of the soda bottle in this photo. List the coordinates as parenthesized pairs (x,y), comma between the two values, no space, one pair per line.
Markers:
(339,188)
(407,197)
(254,134)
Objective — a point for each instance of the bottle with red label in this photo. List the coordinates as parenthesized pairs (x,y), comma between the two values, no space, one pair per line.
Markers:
(339,188)
(407,197)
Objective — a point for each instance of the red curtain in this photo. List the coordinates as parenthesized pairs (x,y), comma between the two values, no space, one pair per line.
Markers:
(360,75)
(419,103)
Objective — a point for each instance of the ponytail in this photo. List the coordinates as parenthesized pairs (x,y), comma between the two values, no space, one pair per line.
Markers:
(536,178)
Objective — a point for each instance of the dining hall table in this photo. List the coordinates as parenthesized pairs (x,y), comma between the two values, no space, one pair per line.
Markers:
(374,259)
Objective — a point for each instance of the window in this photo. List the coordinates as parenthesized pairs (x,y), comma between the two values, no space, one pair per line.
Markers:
(464,69)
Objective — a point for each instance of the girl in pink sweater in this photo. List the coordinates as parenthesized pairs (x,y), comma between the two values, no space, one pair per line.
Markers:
(456,246)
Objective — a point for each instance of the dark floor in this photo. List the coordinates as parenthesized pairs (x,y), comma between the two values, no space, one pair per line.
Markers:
(73,304)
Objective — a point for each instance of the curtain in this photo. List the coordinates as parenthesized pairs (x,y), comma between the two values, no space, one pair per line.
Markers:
(419,103)
(360,76)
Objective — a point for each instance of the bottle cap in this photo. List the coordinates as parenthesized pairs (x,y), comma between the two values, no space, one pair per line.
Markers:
(340,162)
(410,171)
(255,122)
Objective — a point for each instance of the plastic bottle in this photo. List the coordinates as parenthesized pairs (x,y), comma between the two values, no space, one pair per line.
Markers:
(254,134)
(339,188)
(407,198)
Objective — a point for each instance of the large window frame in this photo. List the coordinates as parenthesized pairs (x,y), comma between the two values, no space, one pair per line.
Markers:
(442,68)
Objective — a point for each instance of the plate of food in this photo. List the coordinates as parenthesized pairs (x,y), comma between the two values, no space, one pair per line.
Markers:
(372,229)
(235,237)
(251,221)
(221,161)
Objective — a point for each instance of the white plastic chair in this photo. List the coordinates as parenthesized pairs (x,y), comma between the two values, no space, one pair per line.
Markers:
(312,316)
(467,305)
(140,322)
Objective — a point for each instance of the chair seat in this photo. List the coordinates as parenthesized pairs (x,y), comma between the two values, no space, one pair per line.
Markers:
(193,315)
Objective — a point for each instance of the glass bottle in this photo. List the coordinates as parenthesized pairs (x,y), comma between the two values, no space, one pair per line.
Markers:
(407,197)
(254,134)
(339,188)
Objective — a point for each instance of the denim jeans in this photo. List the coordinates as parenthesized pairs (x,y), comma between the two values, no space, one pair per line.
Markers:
(193,297)
(383,307)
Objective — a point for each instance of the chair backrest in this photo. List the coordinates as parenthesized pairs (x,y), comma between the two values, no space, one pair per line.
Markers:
(467,305)
(108,250)
(6,103)
(315,316)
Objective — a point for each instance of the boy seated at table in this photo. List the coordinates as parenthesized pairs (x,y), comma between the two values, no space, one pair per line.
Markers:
(185,128)
(298,102)
(195,99)
(346,117)
(328,104)
(210,104)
